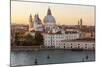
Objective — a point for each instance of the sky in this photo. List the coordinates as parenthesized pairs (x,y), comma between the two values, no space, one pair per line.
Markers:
(64,14)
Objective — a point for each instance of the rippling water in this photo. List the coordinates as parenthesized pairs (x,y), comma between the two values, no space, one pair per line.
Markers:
(55,56)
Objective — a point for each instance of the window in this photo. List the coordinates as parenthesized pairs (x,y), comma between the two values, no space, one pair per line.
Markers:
(71,43)
(93,47)
(91,35)
(93,44)
(78,46)
(71,46)
(64,46)
(85,44)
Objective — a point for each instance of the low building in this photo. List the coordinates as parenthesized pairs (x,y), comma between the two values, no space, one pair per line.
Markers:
(85,44)
(55,39)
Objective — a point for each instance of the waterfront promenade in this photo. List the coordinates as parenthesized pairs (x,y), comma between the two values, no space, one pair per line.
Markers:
(34,48)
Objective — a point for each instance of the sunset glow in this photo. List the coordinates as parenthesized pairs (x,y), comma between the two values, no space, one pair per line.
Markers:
(64,14)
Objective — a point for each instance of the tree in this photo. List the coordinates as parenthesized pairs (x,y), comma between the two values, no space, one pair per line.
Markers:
(38,38)
(17,38)
(29,40)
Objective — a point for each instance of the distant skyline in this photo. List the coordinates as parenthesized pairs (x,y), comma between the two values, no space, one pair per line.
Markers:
(64,14)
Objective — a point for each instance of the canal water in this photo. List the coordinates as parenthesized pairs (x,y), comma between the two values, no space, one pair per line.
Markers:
(49,57)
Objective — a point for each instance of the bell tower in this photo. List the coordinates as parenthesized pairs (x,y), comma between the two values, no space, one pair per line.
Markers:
(30,22)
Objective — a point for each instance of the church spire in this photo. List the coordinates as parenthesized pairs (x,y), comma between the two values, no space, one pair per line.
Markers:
(30,22)
(30,18)
(49,11)
(39,20)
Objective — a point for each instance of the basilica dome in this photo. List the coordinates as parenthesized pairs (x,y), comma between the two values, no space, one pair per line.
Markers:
(49,18)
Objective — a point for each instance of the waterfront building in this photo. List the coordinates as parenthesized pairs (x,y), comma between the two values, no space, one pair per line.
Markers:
(55,39)
(85,44)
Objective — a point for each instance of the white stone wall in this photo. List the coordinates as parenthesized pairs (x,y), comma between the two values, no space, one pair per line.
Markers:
(56,39)
(83,45)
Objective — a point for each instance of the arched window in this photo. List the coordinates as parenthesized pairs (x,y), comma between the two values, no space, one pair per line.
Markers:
(78,46)
(93,47)
(85,45)
(71,47)
(71,43)
(93,44)
(64,46)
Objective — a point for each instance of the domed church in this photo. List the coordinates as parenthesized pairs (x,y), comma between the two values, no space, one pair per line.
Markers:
(49,21)
(49,18)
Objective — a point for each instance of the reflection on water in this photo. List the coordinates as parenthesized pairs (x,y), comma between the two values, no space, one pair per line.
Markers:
(50,57)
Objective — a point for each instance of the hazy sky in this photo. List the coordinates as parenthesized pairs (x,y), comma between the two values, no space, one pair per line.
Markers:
(64,14)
